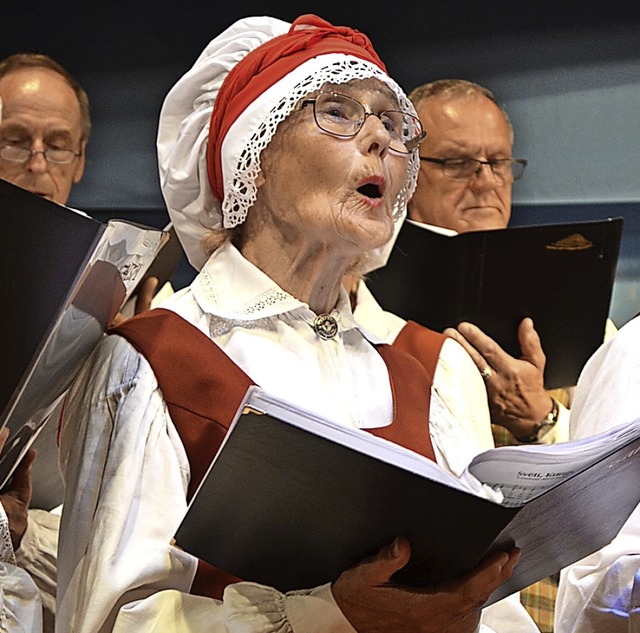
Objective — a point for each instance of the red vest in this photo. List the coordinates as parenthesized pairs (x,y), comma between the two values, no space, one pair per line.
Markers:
(193,373)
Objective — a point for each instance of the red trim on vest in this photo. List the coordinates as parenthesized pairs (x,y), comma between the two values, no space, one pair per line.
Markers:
(174,347)
(211,581)
(423,344)
(411,388)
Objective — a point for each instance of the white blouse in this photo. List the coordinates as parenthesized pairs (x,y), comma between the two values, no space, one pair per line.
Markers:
(602,591)
(126,470)
(20,606)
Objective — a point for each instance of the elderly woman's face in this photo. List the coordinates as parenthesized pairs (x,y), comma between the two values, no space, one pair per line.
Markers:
(338,192)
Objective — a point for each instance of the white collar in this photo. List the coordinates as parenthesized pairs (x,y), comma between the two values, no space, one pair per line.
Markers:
(231,287)
(376,324)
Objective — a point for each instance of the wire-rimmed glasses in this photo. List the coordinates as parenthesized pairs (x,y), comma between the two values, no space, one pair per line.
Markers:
(55,155)
(344,116)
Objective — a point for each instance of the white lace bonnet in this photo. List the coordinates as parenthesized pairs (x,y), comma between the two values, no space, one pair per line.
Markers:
(186,178)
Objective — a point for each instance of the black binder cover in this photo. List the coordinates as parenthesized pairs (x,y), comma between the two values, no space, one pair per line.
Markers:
(289,508)
(64,277)
(43,247)
(560,275)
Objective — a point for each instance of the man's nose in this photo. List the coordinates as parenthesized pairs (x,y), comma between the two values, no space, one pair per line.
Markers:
(37,161)
(484,178)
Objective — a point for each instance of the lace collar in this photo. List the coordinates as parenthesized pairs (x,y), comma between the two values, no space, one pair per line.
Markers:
(232,288)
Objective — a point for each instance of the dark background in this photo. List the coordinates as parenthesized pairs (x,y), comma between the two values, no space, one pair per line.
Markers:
(89,36)
(567,72)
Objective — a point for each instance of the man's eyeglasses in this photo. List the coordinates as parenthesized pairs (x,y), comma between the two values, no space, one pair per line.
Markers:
(503,169)
(18,154)
(344,117)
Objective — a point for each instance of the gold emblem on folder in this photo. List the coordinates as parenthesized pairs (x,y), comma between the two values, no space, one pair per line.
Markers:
(573,242)
(251,409)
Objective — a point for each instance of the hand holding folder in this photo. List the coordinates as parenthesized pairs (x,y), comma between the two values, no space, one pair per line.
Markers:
(318,498)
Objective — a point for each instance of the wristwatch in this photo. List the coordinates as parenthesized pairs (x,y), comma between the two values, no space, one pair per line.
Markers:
(544,426)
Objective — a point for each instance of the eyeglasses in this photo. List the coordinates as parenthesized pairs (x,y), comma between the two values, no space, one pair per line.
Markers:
(54,155)
(344,117)
(503,169)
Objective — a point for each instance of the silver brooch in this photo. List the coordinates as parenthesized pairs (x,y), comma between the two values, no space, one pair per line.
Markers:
(325,326)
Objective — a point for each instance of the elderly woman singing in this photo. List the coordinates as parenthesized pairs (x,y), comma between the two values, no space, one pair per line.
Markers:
(287,155)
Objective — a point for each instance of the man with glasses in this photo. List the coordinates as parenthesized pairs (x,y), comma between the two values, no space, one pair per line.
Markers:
(44,128)
(467,168)
(45,125)
(466,176)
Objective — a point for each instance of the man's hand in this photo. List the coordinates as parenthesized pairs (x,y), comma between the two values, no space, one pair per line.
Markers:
(144,297)
(515,386)
(146,292)
(372,604)
(16,499)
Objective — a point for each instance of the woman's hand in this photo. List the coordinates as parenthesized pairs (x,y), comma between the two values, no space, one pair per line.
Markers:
(373,605)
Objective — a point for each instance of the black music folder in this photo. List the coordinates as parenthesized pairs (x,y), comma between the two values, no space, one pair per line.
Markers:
(65,275)
(292,500)
(560,275)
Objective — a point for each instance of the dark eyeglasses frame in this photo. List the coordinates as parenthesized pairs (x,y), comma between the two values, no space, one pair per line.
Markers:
(444,162)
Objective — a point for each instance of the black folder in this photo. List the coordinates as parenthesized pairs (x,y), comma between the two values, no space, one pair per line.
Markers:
(292,501)
(64,277)
(560,275)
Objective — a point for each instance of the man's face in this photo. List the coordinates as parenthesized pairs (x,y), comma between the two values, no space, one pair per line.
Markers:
(462,127)
(41,111)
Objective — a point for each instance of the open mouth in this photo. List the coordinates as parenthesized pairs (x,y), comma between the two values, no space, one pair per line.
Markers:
(371,190)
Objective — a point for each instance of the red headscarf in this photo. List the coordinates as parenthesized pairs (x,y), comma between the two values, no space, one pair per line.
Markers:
(308,37)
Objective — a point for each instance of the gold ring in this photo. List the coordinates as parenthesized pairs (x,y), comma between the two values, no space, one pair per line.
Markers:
(486,372)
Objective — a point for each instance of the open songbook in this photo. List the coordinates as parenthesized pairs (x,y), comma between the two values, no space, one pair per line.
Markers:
(292,500)
(64,278)
(162,268)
